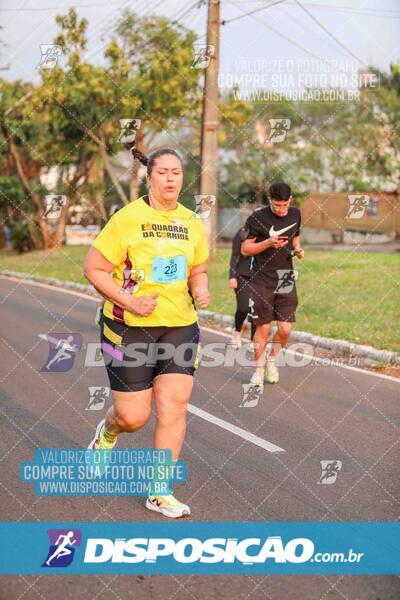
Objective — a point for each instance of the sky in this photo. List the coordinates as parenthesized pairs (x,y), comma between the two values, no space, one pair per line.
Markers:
(280,38)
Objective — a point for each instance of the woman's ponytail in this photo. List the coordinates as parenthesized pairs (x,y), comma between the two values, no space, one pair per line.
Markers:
(140,156)
(148,161)
(137,154)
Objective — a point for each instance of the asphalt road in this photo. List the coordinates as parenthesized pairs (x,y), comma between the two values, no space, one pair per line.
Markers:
(315,413)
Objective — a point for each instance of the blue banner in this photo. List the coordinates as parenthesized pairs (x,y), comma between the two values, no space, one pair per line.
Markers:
(200,548)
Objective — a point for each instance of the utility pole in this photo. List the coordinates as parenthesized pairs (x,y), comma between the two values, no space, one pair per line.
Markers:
(209,124)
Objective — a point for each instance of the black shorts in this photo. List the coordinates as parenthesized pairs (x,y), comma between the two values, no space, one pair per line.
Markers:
(266,305)
(134,356)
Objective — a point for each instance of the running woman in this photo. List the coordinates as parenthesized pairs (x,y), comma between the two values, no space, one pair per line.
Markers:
(240,274)
(149,263)
(239,280)
(273,237)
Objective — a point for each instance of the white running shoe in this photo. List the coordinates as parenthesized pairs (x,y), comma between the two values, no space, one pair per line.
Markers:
(236,341)
(99,314)
(168,506)
(257,379)
(99,443)
(271,373)
(95,443)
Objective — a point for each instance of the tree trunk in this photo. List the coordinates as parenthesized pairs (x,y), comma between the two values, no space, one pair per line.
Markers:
(58,235)
(39,220)
(107,164)
(50,238)
(113,177)
(96,178)
(82,170)
(259,193)
(134,183)
(2,232)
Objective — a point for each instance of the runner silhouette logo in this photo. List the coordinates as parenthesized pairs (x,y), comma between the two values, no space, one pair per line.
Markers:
(286,280)
(278,130)
(62,350)
(62,547)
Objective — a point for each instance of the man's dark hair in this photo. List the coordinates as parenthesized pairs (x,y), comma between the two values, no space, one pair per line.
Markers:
(279,191)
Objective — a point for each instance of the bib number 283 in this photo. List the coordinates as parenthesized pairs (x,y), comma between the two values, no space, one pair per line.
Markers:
(167,270)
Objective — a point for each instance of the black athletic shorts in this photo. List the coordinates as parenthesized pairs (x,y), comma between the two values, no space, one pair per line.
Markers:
(134,356)
(266,305)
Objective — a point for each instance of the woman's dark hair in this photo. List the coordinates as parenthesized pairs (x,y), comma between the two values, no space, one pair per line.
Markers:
(148,161)
(279,191)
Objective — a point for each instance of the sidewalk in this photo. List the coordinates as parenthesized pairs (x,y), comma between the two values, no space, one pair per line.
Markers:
(389,248)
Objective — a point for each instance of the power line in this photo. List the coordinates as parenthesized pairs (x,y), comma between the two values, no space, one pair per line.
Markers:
(282,35)
(43,8)
(378,12)
(333,6)
(339,7)
(196,4)
(329,33)
(367,11)
(307,27)
(99,28)
(150,10)
(224,22)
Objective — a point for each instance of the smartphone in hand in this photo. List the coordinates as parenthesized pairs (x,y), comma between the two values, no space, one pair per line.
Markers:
(283,238)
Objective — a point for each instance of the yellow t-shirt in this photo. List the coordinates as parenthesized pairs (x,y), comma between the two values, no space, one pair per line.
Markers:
(153,251)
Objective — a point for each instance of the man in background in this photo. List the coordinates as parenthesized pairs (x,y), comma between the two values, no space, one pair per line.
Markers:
(273,238)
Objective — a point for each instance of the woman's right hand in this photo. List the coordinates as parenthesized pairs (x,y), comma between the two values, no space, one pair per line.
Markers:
(144,305)
(233,283)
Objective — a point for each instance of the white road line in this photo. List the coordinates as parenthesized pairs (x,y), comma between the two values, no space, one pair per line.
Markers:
(215,331)
(51,287)
(318,358)
(246,435)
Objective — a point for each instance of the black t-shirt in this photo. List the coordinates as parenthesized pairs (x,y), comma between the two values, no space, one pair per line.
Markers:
(263,224)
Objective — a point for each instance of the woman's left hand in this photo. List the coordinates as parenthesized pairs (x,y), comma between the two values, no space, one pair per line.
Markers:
(202,296)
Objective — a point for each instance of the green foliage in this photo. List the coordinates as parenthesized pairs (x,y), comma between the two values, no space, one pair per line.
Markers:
(158,56)
(12,193)
(20,236)
(148,74)
(348,146)
(12,96)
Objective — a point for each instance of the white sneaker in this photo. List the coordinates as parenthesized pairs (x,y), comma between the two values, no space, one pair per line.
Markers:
(236,341)
(271,373)
(99,466)
(168,506)
(95,443)
(257,379)
(99,314)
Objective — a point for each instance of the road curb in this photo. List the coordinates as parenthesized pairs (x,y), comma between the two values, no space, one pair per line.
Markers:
(367,355)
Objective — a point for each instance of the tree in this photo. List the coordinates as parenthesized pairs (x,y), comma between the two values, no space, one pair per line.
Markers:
(161,86)
(385,101)
(349,146)
(72,118)
(250,159)
(36,140)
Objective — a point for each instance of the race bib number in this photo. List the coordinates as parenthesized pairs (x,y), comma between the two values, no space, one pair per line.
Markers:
(167,270)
